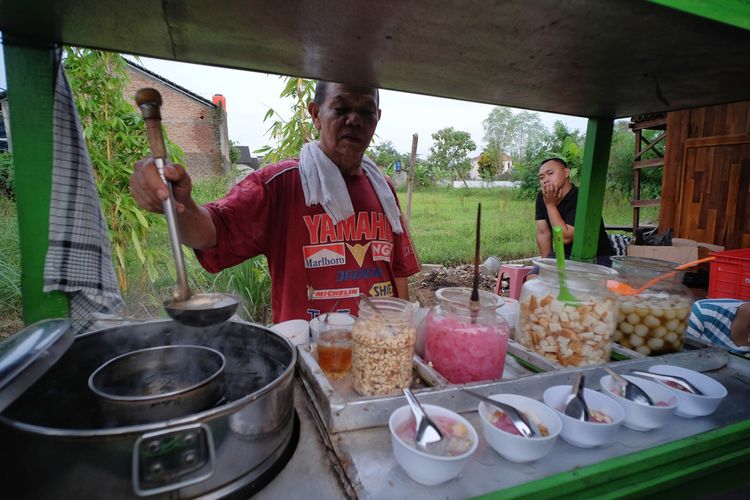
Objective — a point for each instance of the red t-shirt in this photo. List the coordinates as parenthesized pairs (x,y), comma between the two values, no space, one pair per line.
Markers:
(313,263)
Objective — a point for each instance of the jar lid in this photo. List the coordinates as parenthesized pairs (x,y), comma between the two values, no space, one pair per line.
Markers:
(645,263)
(579,269)
(459,297)
(28,354)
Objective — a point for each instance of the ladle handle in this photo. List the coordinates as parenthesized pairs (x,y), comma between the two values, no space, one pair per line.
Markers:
(149,102)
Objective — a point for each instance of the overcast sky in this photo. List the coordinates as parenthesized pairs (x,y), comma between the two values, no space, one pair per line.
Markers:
(249,95)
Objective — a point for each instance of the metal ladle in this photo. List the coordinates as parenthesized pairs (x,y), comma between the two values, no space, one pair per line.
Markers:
(632,391)
(575,405)
(199,309)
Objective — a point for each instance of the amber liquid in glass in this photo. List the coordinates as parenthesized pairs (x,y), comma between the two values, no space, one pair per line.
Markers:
(335,352)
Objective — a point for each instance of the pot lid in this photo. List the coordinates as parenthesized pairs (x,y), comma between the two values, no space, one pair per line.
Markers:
(28,354)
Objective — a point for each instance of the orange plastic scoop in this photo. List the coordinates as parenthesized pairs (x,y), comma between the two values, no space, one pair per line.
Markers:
(621,288)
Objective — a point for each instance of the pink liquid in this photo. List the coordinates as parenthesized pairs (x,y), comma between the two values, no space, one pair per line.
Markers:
(464,352)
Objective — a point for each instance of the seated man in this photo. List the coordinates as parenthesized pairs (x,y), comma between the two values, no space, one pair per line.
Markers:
(722,322)
(556,206)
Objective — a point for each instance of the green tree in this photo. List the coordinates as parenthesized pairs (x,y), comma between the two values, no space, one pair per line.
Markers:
(384,154)
(560,142)
(487,166)
(512,134)
(7,176)
(234,152)
(290,134)
(115,136)
(622,151)
(449,152)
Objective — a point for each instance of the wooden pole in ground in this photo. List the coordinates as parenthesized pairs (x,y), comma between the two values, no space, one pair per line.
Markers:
(410,177)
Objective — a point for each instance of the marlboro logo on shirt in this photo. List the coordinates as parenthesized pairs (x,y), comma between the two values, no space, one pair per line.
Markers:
(333,254)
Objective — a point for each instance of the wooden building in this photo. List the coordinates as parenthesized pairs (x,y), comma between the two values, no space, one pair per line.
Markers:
(706,181)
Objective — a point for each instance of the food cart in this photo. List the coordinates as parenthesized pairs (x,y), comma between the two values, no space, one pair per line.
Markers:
(600,60)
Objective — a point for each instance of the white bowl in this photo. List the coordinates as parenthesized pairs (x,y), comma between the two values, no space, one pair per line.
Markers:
(586,434)
(296,330)
(518,448)
(420,466)
(641,417)
(692,405)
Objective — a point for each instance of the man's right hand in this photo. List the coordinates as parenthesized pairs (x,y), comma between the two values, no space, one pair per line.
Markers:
(551,194)
(149,191)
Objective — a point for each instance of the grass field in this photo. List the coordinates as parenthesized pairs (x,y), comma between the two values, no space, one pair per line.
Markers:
(443,222)
(442,227)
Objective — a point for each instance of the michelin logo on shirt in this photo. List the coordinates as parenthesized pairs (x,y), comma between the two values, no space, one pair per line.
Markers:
(316,256)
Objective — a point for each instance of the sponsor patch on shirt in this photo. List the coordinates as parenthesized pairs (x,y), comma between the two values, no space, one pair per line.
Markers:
(358,274)
(384,289)
(381,250)
(333,254)
(333,293)
(358,251)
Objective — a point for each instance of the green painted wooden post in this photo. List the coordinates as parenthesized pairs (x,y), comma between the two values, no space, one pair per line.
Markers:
(593,182)
(31,76)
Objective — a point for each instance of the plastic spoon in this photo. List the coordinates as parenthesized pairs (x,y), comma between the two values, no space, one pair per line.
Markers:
(428,433)
(624,289)
(557,245)
(632,391)
(523,425)
(575,406)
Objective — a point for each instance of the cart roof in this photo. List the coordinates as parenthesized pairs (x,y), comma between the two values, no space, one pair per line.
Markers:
(585,57)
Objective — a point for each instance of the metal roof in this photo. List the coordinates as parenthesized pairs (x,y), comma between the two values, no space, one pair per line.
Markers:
(607,58)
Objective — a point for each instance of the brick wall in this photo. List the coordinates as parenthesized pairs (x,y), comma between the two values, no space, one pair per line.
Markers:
(198,127)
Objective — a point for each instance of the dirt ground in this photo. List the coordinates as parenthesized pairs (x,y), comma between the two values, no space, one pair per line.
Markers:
(423,285)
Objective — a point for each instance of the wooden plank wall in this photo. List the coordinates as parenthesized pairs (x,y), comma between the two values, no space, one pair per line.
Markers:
(706,182)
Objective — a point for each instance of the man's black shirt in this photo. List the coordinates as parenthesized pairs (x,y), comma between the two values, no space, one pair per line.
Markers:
(567,209)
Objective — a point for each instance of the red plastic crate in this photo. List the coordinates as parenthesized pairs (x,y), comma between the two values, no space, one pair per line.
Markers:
(730,275)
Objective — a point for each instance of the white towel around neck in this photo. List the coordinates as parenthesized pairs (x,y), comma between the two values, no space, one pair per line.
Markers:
(323,184)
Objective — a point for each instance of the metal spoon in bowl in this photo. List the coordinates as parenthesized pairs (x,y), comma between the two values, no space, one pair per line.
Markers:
(429,438)
(523,425)
(682,382)
(575,405)
(631,391)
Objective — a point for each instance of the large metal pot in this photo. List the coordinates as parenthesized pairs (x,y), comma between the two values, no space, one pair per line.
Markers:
(59,444)
(159,383)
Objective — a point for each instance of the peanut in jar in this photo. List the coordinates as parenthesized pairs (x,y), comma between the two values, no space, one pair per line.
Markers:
(383,347)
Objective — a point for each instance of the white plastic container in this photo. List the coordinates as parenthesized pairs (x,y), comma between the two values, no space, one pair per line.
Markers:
(518,448)
(640,417)
(420,466)
(586,434)
(296,330)
(693,405)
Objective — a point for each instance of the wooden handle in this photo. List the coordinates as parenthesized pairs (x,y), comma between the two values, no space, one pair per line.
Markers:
(149,102)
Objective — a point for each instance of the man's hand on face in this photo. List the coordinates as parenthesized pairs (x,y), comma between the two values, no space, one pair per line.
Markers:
(551,194)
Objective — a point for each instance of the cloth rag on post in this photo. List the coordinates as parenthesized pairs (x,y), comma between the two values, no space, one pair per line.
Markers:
(323,184)
(79,260)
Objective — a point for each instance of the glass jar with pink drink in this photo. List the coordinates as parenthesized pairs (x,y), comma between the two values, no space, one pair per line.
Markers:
(465,343)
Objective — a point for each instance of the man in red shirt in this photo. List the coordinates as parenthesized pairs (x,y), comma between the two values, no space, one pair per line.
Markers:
(329,223)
